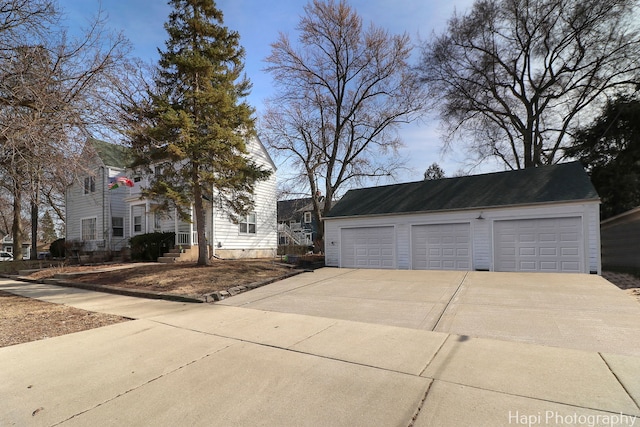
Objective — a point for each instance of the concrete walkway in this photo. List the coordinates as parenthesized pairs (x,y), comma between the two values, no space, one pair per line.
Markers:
(187,364)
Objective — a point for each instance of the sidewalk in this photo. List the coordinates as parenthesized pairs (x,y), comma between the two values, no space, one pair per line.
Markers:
(203,364)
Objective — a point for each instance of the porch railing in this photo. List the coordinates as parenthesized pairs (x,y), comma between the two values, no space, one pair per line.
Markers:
(187,238)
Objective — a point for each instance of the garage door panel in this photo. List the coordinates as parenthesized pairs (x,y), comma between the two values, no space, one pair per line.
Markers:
(549,252)
(367,247)
(548,244)
(548,266)
(569,237)
(527,266)
(571,266)
(441,247)
(548,237)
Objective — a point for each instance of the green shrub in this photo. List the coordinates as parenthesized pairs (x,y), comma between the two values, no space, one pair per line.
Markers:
(150,246)
(58,248)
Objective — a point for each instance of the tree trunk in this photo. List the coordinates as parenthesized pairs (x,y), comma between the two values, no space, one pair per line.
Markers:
(198,208)
(16,229)
(34,230)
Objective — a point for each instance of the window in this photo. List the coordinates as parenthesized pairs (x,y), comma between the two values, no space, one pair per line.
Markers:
(89,229)
(157,221)
(307,217)
(157,170)
(137,224)
(137,178)
(89,185)
(248,224)
(284,240)
(117,224)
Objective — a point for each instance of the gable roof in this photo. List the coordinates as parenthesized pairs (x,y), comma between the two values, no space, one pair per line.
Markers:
(287,209)
(113,155)
(547,184)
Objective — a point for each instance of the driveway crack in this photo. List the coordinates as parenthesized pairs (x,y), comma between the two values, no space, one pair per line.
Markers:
(143,384)
(449,303)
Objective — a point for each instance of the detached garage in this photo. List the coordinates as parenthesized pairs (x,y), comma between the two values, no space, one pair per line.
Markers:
(543,219)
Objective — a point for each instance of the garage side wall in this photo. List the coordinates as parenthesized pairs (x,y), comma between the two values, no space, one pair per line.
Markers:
(481,223)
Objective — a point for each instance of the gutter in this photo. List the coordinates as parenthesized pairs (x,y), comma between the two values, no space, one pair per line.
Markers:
(468,209)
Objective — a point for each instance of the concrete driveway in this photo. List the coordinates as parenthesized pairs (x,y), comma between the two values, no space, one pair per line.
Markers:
(577,311)
(338,348)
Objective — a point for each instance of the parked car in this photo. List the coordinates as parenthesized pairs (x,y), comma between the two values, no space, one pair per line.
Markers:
(6,256)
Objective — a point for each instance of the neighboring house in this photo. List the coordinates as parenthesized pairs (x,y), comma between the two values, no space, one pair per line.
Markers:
(99,218)
(296,223)
(6,245)
(538,219)
(621,240)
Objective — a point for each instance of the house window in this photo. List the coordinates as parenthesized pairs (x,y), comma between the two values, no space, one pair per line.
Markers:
(89,229)
(248,224)
(117,224)
(157,221)
(137,178)
(157,170)
(89,185)
(137,224)
(307,217)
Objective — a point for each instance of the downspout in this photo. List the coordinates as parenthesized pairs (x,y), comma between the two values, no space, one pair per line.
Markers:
(213,229)
(104,204)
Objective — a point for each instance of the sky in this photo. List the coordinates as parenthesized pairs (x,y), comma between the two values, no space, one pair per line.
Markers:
(259,22)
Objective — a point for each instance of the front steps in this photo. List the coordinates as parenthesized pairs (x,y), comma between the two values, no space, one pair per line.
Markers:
(180,254)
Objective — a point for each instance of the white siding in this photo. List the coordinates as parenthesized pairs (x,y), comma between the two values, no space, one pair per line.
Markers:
(592,228)
(227,235)
(103,204)
(482,242)
(481,229)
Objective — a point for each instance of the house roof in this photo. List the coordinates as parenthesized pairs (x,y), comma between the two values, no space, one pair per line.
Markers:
(287,209)
(112,154)
(547,184)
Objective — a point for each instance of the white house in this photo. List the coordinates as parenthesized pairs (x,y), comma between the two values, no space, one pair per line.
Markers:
(538,219)
(103,219)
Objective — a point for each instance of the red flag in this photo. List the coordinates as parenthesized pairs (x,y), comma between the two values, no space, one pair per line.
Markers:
(124,180)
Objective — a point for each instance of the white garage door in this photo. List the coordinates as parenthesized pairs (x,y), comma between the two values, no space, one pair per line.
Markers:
(441,247)
(550,244)
(370,247)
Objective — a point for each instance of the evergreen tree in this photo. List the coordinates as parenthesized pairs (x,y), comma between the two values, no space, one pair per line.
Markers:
(197,121)
(48,229)
(433,172)
(610,150)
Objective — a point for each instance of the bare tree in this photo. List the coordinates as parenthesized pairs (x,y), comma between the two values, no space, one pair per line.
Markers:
(49,87)
(342,93)
(514,77)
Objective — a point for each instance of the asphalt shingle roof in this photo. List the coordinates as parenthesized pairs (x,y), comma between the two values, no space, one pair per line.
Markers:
(547,184)
(111,154)
(287,209)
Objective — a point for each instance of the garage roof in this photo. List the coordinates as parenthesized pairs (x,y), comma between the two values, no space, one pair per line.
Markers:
(546,184)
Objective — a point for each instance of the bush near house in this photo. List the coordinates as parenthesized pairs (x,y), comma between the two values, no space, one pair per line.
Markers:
(58,248)
(150,246)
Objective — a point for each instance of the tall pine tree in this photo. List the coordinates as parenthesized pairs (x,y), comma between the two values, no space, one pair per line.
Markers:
(197,120)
